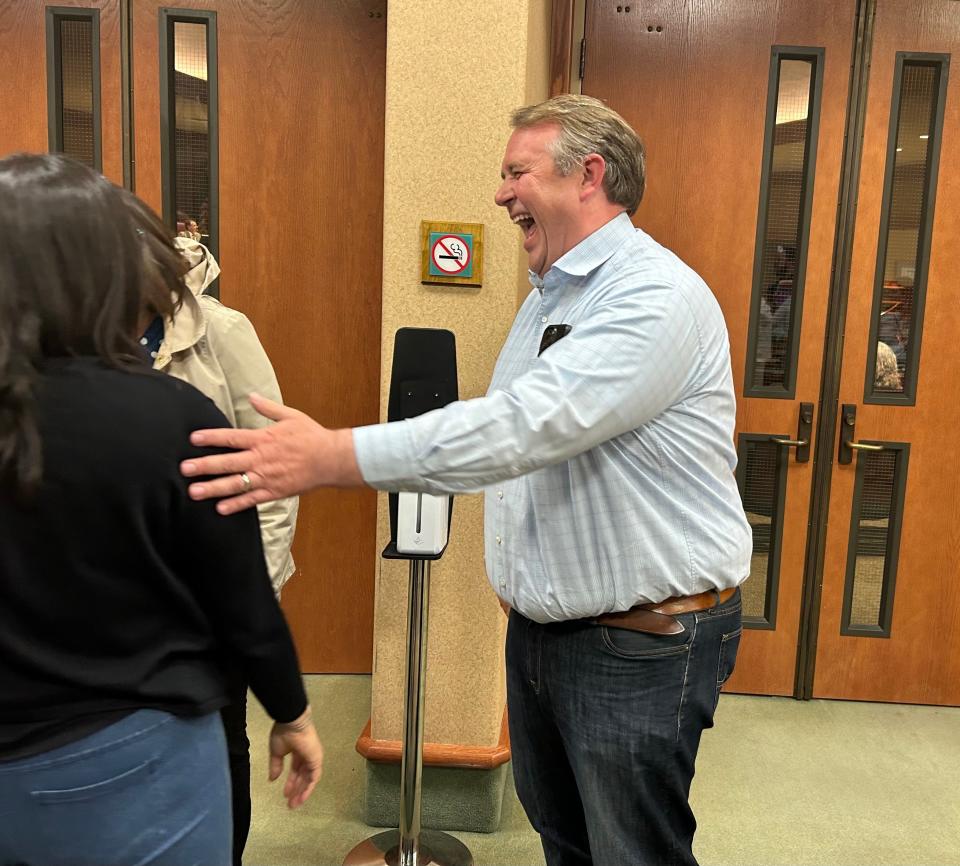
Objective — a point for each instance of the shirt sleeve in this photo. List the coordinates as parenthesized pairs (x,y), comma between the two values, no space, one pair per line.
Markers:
(619,368)
(223,559)
(247,368)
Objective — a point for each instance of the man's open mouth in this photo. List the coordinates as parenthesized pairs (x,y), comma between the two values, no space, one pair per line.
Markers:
(526,223)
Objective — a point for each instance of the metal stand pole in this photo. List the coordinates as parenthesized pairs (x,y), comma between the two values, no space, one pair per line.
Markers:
(411,761)
(411,846)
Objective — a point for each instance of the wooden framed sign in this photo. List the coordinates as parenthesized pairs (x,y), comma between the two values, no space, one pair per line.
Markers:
(451,253)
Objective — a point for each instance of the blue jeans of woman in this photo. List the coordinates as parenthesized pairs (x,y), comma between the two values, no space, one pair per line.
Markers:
(605,725)
(152,788)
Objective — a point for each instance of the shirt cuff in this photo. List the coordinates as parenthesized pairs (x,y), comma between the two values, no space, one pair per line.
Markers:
(385,454)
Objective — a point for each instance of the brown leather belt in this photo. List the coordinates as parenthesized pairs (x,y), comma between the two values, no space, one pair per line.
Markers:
(660,617)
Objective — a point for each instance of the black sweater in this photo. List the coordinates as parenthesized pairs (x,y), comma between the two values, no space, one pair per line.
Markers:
(118,592)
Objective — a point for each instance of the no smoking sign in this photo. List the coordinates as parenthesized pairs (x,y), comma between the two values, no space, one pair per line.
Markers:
(452,253)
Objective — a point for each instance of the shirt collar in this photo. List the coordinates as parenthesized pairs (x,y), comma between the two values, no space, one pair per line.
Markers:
(592,251)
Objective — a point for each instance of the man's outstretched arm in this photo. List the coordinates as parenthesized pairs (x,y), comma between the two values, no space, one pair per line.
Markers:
(285,459)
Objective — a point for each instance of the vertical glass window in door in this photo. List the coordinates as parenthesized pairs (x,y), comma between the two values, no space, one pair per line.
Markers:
(786,189)
(913,155)
(73,83)
(189,124)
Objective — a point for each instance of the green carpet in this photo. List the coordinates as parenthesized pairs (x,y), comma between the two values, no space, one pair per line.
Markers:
(332,822)
(780,783)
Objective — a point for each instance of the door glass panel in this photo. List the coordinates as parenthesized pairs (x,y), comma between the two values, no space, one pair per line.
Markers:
(192,136)
(783,223)
(912,161)
(874,540)
(76,42)
(73,84)
(762,477)
(189,122)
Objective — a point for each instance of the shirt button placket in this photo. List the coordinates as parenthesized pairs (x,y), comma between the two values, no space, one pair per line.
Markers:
(503,583)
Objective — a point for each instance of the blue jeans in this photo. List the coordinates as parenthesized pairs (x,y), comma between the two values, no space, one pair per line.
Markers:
(150,789)
(605,725)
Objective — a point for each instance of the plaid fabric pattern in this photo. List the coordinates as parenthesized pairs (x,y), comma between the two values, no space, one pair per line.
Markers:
(607,462)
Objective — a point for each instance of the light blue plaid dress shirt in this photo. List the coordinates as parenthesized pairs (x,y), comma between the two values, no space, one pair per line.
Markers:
(607,462)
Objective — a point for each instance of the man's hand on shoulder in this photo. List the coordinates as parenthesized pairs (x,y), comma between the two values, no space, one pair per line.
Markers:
(292,456)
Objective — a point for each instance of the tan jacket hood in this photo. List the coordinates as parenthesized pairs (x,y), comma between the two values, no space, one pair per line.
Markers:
(203,266)
(188,327)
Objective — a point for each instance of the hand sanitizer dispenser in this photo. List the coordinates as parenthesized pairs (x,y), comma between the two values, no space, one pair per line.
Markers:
(422,523)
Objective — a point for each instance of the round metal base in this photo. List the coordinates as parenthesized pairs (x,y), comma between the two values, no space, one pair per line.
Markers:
(436,849)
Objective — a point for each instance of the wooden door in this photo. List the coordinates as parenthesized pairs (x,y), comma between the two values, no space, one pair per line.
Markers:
(301,92)
(691,78)
(694,80)
(890,614)
(294,195)
(23,85)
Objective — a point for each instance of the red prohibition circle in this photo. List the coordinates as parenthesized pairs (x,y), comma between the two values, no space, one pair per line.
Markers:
(442,255)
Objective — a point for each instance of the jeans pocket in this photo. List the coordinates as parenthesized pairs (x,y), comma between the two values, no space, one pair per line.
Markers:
(99,788)
(627,644)
(729,644)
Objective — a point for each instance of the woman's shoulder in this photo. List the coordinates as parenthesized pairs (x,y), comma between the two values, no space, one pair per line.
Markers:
(130,424)
(133,395)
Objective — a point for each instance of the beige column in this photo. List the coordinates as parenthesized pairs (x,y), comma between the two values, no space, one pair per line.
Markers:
(455,71)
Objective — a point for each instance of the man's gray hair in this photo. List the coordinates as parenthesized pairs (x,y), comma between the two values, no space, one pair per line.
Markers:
(588,126)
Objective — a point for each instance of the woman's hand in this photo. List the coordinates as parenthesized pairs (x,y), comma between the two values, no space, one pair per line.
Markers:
(298,739)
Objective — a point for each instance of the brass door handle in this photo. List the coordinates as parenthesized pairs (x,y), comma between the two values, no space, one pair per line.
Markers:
(848,426)
(863,446)
(804,431)
(790,443)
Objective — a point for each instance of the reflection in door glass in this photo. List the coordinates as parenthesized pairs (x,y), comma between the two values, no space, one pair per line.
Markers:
(782,224)
(73,83)
(192,130)
(761,477)
(874,540)
(902,264)
(76,58)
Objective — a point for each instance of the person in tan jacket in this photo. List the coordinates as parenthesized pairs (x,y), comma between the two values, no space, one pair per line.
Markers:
(216,349)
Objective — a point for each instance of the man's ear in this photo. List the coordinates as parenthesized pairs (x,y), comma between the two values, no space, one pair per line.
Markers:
(594,170)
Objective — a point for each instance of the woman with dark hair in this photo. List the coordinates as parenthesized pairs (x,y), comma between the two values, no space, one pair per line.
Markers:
(120,598)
